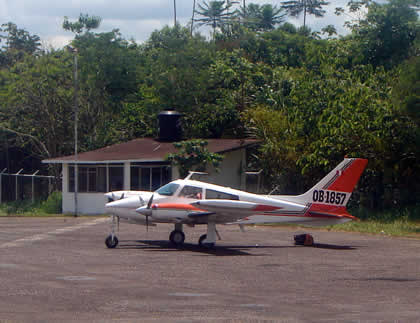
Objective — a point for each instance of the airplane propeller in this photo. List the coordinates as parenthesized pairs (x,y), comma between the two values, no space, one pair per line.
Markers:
(114,198)
(141,201)
(149,212)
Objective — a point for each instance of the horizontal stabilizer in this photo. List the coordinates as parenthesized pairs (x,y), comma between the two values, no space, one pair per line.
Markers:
(343,214)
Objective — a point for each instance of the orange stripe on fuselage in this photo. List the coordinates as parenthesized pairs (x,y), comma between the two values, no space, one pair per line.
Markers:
(177,206)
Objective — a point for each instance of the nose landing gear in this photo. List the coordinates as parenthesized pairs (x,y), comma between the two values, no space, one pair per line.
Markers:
(112,241)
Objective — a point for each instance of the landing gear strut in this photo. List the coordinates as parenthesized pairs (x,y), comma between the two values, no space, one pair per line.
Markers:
(209,240)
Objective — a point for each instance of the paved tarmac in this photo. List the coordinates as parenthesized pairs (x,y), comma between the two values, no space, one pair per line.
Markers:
(59,270)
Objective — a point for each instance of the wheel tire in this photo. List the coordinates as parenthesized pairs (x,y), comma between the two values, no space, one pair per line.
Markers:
(202,238)
(111,241)
(177,237)
(203,244)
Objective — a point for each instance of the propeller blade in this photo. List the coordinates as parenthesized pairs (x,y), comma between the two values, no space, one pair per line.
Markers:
(141,201)
(149,205)
(122,196)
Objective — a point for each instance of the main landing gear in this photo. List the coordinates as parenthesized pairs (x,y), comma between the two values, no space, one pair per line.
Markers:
(209,240)
(177,236)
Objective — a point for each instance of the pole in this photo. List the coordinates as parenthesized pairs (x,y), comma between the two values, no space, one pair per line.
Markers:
(174,13)
(33,185)
(17,184)
(76,112)
(192,18)
(1,175)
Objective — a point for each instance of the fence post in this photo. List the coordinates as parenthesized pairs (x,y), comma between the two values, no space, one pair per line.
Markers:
(16,182)
(1,184)
(33,186)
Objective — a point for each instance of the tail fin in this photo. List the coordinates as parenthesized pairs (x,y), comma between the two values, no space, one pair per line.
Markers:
(337,187)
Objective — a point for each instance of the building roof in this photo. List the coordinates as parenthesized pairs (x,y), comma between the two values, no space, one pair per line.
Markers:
(145,150)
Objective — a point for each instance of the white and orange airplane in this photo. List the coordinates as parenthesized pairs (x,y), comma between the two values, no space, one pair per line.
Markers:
(193,203)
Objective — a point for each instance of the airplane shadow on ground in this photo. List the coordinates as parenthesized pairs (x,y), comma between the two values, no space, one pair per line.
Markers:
(217,250)
(333,246)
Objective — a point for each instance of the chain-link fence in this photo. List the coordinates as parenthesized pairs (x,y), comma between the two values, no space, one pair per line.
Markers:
(20,186)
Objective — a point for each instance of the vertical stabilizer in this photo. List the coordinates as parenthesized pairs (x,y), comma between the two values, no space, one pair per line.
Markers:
(336,187)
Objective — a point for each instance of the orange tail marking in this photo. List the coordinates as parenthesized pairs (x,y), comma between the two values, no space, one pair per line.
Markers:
(349,177)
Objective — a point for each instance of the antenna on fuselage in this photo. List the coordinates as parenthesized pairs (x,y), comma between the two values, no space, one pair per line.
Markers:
(191,173)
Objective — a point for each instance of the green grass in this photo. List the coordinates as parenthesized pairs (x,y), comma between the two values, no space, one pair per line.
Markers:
(394,222)
(49,207)
(400,228)
(403,222)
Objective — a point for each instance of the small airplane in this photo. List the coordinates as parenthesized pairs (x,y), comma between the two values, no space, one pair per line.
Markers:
(191,202)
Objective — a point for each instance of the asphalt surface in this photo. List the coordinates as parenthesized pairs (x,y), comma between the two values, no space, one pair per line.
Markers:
(59,270)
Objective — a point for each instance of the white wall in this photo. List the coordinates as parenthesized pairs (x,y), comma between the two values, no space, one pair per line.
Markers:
(87,203)
(231,171)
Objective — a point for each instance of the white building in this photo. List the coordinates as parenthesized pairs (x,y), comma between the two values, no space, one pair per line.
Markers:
(140,164)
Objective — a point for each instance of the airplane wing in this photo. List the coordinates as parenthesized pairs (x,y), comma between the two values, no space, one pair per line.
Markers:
(233,206)
(237,212)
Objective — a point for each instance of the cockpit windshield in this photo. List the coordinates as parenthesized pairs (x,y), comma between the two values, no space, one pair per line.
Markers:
(168,189)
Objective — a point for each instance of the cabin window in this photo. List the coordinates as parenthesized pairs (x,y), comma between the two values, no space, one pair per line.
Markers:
(217,195)
(191,192)
(168,189)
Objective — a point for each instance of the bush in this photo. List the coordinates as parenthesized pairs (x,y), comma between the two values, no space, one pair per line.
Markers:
(53,204)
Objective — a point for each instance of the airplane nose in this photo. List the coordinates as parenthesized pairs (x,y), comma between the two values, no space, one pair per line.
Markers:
(110,205)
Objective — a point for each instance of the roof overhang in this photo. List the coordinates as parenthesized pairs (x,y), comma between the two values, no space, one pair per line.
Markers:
(143,150)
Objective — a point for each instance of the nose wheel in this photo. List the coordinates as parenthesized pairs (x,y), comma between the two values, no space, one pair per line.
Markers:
(111,241)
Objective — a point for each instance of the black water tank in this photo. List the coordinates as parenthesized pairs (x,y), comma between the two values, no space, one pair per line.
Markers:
(170,128)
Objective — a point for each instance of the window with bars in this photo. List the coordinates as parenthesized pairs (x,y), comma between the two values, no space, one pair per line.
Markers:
(97,178)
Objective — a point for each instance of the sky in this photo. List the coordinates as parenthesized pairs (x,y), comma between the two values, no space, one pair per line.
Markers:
(136,19)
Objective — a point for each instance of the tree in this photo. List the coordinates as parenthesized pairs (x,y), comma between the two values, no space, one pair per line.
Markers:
(17,43)
(108,79)
(214,13)
(193,155)
(329,30)
(387,32)
(270,17)
(311,7)
(261,18)
(38,106)
(84,24)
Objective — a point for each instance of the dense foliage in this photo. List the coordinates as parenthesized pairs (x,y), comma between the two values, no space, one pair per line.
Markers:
(311,101)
